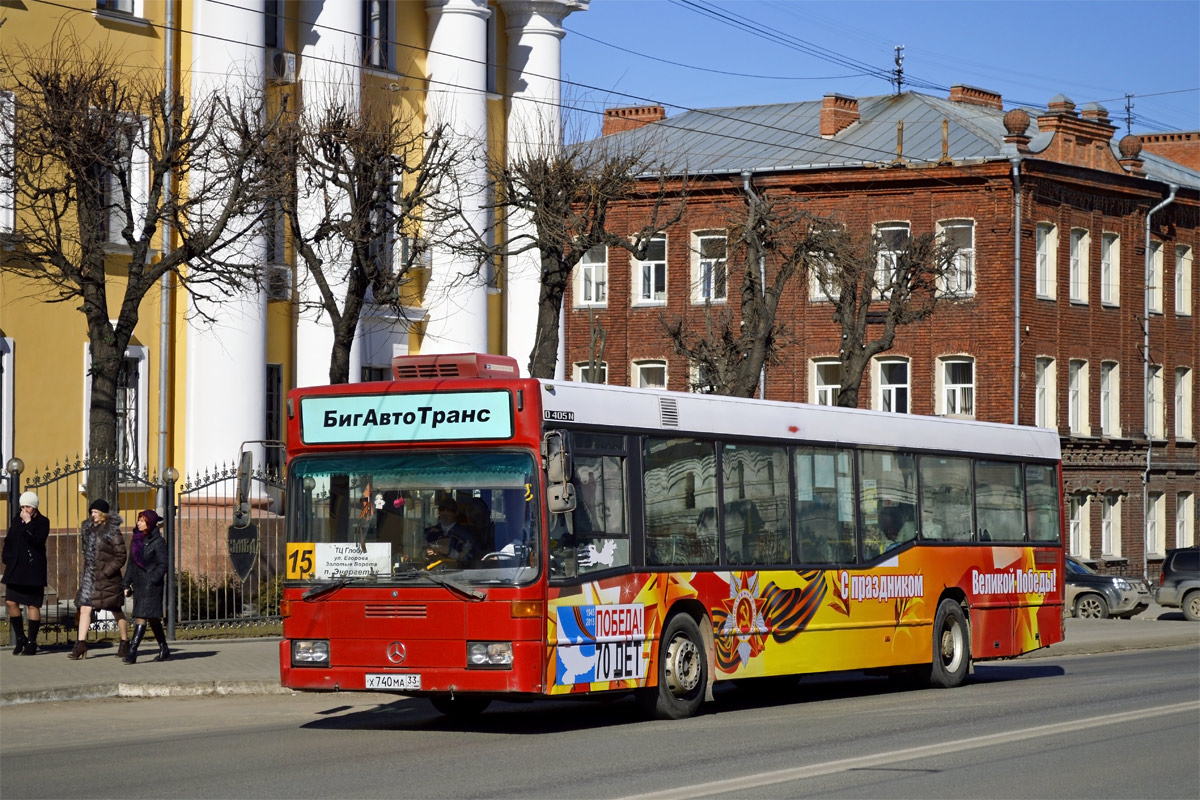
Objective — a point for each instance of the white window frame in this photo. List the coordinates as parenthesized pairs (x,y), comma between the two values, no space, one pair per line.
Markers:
(1046,235)
(377,35)
(1079,513)
(1183,280)
(1184,393)
(650,270)
(1154,285)
(139,188)
(696,380)
(1156,524)
(643,368)
(707,273)
(953,397)
(1080,244)
(1078,397)
(1110,398)
(7,398)
(8,190)
(1045,413)
(1110,269)
(141,354)
(591,283)
(1110,525)
(821,392)
(1185,519)
(579,372)
(886,257)
(887,396)
(820,261)
(128,8)
(1156,404)
(959,280)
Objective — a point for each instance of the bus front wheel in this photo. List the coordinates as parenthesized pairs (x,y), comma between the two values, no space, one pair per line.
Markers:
(951,646)
(682,672)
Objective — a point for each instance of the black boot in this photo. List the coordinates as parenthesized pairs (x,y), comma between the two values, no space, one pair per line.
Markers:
(17,624)
(161,637)
(79,651)
(31,642)
(138,632)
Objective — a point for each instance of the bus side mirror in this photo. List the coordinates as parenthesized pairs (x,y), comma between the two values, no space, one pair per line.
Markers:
(557,457)
(560,498)
(241,509)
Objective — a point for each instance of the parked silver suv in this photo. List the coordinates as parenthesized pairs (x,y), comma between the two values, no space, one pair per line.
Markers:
(1179,582)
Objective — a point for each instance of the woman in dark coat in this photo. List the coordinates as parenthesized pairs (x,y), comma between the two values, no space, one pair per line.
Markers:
(25,572)
(145,578)
(100,584)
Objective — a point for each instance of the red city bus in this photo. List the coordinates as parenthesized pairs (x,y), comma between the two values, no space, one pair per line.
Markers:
(464,534)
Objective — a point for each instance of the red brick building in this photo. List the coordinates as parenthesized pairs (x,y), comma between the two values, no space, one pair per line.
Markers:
(1050,216)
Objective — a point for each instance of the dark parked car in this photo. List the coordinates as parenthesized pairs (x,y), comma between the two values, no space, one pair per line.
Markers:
(1179,582)
(1090,595)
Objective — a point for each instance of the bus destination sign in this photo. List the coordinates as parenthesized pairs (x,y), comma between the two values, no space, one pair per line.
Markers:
(422,417)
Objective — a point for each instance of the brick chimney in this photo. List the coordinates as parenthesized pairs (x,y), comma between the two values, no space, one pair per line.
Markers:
(838,112)
(1083,140)
(629,118)
(961,93)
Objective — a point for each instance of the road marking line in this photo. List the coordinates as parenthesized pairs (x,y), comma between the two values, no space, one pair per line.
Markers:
(907,754)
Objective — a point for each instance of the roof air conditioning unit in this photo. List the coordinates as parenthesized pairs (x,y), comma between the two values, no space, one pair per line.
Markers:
(281,66)
(278,282)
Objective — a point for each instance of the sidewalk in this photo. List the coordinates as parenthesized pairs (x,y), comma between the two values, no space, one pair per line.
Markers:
(251,666)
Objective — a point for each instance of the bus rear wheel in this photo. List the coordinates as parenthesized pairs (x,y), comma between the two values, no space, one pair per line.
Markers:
(951,646)
(460,706)
(682,672)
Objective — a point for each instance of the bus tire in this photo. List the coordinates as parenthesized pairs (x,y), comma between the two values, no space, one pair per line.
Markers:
(682,672)
(460,706)
(951,646)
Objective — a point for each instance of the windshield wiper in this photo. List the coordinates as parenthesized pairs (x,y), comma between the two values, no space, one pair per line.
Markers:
(440,579)
(332,586)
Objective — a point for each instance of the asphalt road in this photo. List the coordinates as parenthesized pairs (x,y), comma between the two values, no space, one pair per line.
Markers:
(1119,725)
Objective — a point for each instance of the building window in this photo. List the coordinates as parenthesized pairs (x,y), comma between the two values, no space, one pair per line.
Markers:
(1080,241)
(1183,281)
(652,272)
(959,234)
(376,39)
(1045,413)
(1154,287)
(8,194)
(1110,396)
(583,372)
(1047,259)
(592,289)
(1185,519)
(827,382)
(493,60)
(132,392)
(7,385)
(1155,403)
(125,180)
(1156,522)
(272,35)
(650,374)
(1110,269)
(701,379)
(822,274)
(891,241)
(374,373)
(1110,525)
(709,275)
(1183,403)
(893,386)
(118,6)
(1080,512)
(957,391)
(1077,397)
(273,430)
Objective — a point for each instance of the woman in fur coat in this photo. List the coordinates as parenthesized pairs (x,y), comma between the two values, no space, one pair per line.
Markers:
(100,585)
(145,578)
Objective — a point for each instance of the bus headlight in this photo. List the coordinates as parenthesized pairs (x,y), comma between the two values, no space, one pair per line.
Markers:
(310,653)
(489,655)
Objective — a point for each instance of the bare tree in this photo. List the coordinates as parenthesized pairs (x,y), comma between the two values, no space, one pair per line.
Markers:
(359,186)
(565,193)
(94,143)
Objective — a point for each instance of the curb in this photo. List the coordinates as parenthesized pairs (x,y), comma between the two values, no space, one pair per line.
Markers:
(104,690)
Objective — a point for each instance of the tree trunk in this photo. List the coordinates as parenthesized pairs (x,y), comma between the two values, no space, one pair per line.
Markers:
(544,357)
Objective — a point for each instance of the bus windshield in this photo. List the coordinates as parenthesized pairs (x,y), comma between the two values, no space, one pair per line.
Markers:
(389,516)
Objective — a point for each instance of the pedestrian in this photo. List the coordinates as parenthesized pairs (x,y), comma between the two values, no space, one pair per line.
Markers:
(145,579)
(100,576)
(25,572)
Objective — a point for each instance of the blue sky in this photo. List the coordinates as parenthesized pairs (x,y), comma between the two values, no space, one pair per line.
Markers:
(676,53)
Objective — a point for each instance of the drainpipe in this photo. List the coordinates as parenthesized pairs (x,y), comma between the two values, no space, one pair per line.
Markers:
(1016,392)
(164,303)
(1147,422)
(762,279)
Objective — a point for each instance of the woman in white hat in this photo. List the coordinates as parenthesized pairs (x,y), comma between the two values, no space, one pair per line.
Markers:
(25,572)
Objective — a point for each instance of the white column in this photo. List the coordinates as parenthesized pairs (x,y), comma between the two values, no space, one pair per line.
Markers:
(225,382)
(330,73)
(535,35)
(456,297)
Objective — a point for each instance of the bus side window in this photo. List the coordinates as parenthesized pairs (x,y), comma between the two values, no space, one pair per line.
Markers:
(824,505)
(601,537)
